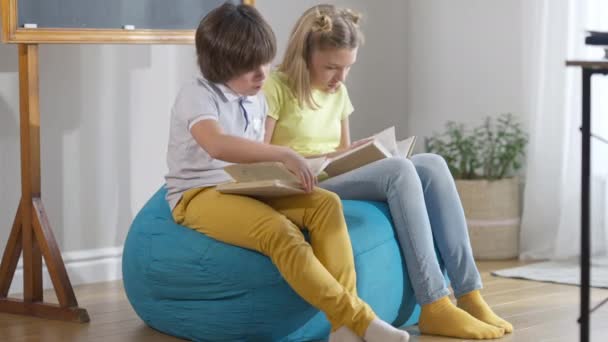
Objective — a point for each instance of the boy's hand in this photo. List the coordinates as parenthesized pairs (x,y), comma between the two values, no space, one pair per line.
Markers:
(299,167)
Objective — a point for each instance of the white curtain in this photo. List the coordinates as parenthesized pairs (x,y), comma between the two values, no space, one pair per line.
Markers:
(555,31)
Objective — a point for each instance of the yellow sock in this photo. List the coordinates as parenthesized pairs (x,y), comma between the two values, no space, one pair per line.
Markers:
(443,318)
(474,304)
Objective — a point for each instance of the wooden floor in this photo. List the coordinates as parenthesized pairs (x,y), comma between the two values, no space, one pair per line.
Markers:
(539,312)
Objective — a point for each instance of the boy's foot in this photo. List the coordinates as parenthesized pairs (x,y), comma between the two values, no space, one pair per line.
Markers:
(380,331)
(344,334)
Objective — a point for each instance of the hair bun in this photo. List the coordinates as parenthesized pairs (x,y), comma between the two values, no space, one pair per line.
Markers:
(323,23)
(351,15)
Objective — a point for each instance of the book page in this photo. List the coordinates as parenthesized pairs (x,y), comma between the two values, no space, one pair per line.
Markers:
(317,165)
(406,147)
(387,139)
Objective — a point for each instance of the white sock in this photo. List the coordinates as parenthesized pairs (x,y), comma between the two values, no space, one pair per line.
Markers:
(380,331)
(344,334)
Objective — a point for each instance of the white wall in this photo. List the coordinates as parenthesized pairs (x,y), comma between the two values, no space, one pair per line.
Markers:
(104,116)
(105,109)
(427,61)
(104,122)
(465,61)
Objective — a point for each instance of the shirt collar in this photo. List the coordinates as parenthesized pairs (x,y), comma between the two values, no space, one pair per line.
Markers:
(230,95)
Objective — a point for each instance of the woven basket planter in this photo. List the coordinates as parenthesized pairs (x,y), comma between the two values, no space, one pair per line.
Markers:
(492,210)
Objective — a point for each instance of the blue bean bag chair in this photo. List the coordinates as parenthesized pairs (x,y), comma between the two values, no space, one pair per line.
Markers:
(186,284)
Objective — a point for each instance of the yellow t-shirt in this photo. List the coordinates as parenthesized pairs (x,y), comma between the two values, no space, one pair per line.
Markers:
(307,131)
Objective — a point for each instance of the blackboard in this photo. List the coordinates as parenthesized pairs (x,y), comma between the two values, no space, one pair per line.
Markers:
(114,14)
(104,21)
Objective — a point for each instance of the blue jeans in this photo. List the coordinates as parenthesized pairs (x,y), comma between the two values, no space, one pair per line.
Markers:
(424,204)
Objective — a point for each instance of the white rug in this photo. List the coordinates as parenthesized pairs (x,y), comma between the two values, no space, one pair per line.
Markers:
(563,272)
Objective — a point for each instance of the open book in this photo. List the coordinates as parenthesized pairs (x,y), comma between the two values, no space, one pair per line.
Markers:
(272,179)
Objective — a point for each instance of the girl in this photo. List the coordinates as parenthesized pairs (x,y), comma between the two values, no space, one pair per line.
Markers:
(309,111)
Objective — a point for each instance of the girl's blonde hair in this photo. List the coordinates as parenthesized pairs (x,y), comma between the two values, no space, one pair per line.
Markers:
(320,27)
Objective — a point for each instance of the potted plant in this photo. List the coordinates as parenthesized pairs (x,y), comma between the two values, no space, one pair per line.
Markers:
(484,162)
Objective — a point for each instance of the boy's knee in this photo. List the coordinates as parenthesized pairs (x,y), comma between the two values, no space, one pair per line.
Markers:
(279,231)
(327,198)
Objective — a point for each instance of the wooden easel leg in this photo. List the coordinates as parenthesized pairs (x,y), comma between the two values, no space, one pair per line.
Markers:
(31,230)
(11,256)
(52,256)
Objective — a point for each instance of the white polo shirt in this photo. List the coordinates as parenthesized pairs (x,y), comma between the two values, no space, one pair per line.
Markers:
(190,166)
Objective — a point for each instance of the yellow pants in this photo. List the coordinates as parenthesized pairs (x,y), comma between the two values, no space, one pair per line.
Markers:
(322,272)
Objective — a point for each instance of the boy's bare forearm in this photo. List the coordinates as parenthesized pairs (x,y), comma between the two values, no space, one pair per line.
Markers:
(240,150)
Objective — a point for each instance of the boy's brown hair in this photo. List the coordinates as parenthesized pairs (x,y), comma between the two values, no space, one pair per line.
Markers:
(231,40)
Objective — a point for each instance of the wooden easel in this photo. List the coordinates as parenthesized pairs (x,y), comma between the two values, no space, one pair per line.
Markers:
(31,232)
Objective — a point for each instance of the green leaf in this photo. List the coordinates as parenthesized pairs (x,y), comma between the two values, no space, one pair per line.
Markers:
(492,150)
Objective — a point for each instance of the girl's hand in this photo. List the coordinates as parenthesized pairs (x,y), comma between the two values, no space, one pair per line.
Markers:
(299,167)
(350,147)
(360,142)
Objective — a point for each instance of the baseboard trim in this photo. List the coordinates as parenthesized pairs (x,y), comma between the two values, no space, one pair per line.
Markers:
(83,267)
